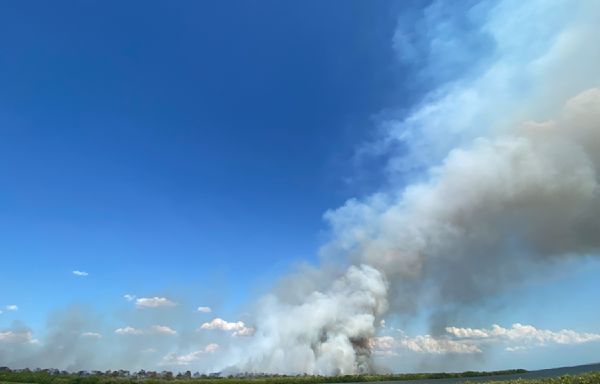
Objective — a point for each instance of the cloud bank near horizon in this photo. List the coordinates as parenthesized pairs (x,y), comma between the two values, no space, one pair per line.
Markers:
(459,340)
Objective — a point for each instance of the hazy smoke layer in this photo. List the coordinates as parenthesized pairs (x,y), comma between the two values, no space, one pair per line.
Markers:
(512,183)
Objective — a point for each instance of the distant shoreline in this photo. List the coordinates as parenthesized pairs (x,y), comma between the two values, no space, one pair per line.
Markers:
(525,375)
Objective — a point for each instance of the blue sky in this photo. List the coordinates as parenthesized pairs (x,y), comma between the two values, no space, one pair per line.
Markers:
(143,132)
(189,150)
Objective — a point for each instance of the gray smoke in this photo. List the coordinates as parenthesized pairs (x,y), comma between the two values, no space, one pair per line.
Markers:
(491,211)
(511,187)
(328,332)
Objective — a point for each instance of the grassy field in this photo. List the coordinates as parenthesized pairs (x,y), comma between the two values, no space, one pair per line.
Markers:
(116,377)
(41,378)
(587,378)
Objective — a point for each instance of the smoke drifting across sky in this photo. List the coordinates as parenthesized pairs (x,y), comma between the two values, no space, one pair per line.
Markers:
(504,161)
(510,152)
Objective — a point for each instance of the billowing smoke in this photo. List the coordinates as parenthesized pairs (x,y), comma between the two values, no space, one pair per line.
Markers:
(511,155)
(489,211)
(491,178)
(328,332)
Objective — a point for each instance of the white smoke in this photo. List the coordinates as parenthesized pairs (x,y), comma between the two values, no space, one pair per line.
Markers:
(328,333)
(510,184)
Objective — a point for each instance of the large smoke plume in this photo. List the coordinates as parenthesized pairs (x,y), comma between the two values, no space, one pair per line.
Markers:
(328,332)
(512,159)
(491,178)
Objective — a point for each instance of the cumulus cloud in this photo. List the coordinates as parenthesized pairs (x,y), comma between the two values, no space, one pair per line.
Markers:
(92,335)
(17,337)
(475,340)
(192,357)
(12,307)
(163,329)
(155,329)
(154,302)
(212,347)
(246,331)
(433,345)
(128,331)
(523,335)
(422,344)
(129,297)
(80,273)
(239,328)
(515,349)
(204,309)
(218,323)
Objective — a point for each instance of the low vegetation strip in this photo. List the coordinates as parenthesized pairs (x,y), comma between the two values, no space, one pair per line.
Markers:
(585,378)
(124,377)
(151,377)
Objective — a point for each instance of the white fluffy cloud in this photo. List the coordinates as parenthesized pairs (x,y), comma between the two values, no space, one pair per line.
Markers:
(80,273)
(427,344)
(155,329)
(474,340)
(128,331)
(163,330)
(129,297)
(176,359)
(12,307)
(432,345)
(246,331)
(154,302)
(524,336)
(238,327)
(218,323)
(17,337)
(91,335)
(204,309)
